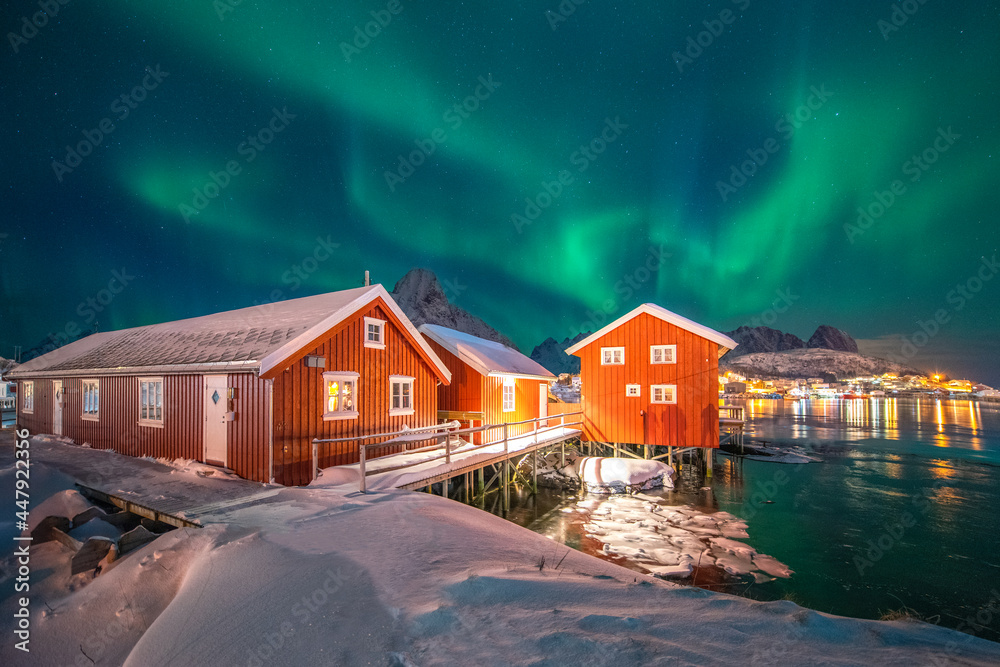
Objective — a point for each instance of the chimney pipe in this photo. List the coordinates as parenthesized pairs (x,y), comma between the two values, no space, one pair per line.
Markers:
(367,279)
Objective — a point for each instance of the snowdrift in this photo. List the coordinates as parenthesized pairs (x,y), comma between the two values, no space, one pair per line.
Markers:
(622,475)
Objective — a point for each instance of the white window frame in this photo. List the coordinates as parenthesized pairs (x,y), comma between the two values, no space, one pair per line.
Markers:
(341,377)
(147,420)
(380,326)
(662,398)
(608,356)
(28,401)
(91,404)
(633,390)
(401,381)
(653,349)
(509,395)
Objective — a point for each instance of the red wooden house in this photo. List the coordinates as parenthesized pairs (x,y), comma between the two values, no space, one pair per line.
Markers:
(491,383)
(651,377)
(248,389)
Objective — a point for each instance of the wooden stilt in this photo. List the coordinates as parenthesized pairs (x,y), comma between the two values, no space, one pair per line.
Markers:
(534,472)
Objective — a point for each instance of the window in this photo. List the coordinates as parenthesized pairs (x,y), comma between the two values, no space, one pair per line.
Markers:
(28,404)
(340,395)
(612,356)
(508,394)
(663,393)
(91,399)
(401,399)
(663,354)
(151,401)
(633,390)
(374,333)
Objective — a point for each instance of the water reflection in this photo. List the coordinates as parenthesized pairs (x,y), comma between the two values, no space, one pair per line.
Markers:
(936,422)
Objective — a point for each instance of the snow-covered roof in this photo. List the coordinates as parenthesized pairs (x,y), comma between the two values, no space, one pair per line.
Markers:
(485,356)
(724,342)
(259,338)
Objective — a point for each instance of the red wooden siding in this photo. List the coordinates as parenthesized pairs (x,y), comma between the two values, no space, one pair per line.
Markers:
(40,419)
(298,396)
(471,391)
(117,427)
(247,435)
(610,416)
(526,399)
(182,433)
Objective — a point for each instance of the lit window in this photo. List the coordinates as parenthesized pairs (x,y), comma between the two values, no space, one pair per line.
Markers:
(340,394)
(663,393)
(508,394)
(401,398)
(28,402)
(612,356)
(374,333)
(663,354)
(633,390)
(151,401)
(91,399)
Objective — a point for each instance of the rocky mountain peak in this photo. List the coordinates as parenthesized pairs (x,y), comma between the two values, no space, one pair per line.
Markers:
(420,295)
(831,338)
(763,339)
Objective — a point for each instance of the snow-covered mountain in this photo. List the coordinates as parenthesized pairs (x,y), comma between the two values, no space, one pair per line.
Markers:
(811,362)
(552,355)
(763,339)
(6,365)
(420,295)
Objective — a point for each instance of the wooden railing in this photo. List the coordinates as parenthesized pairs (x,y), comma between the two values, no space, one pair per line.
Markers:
(443,434)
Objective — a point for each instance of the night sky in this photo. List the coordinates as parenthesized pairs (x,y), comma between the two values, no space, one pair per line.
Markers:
(555,166)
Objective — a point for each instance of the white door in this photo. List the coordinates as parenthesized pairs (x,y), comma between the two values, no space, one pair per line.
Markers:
(57,406)
(216,406)
(543,403)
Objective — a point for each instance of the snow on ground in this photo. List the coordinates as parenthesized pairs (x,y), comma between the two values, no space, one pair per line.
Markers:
(319,576)
(621,475)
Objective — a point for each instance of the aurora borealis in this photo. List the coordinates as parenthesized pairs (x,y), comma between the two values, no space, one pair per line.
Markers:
(555,165)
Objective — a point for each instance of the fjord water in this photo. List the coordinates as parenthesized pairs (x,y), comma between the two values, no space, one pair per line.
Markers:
(901,512)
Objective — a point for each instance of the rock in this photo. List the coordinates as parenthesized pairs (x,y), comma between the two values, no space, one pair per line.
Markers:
(134,539)
(91,554)
(830,338)
(43,531)
(87,515)
(420,296)
(762,339)
(552,355)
